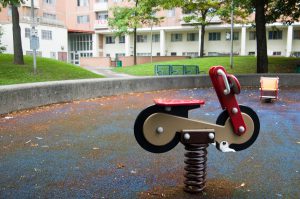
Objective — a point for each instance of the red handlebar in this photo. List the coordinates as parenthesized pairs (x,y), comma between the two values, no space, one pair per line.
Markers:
(226,86)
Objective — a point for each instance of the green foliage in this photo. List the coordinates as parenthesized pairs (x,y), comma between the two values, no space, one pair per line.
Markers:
(2,48)
(201,10)
(288,11)
(125,19)
(47,70)
(243,65)
(16,3)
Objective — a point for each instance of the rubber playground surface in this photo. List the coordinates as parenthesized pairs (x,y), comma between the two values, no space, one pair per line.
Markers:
(87,149)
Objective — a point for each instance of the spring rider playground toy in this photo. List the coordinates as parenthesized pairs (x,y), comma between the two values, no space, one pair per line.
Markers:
(161,126)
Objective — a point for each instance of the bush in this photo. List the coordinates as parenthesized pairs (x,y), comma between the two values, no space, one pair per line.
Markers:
(2,48)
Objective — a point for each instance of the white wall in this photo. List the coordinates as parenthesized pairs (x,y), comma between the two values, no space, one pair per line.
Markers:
(59,39)
(112,49)
(181,46)
(277,45)
(223,45)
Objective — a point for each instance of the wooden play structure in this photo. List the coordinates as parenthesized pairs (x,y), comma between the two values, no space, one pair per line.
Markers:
(269,88)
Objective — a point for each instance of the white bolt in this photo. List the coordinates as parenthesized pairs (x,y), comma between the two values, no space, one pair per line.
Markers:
(241,129)
(235,110)
(187,136)
(211,136)
(160,130)
(226,92)
(168,108)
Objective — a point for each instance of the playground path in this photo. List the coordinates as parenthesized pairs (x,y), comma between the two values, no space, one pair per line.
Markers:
(106,71)
(86,149)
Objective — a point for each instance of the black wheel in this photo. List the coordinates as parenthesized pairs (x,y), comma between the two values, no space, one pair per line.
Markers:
(139,134)
(224,116)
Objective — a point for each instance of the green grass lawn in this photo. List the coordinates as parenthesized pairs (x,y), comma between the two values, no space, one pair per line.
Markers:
(242,65)
(47,70)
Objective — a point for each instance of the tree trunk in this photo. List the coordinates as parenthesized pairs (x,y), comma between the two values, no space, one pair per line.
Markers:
(134,46)
(261,40)
(18,51)
(202,40)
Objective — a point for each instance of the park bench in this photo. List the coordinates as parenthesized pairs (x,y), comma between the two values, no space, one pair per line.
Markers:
(176,70)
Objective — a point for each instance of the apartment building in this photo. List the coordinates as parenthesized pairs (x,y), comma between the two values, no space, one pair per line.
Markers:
(51,28)
(72,29)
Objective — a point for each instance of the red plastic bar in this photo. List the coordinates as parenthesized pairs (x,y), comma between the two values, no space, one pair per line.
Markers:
(176,102)
(228,101)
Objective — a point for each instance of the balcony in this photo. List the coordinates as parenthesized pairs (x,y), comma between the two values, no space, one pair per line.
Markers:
(101,24)
(27,3)
(42,21)
(101,6)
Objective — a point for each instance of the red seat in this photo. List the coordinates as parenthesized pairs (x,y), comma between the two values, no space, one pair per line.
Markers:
(178,102)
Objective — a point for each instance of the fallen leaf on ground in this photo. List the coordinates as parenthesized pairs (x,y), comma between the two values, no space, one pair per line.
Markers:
(120,165)
(27,141)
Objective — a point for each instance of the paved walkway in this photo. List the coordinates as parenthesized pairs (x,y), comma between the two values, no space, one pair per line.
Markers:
(106,71)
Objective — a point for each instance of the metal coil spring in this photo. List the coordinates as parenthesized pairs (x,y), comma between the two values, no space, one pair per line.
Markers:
(196,157)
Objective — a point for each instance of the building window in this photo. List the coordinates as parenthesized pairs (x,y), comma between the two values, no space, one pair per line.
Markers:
(155,38)
(252,35)
(49,15)
(121,39)
(276,53)
(214,36)
(52,2)
(173,53)
(251,53)
(143,54)
(191,54)
(109,40)
(83,19)
(141,38)
(193,37)
(102,15)
(81,42)
(82,3)
(296,34)
(296,54)
(9,11)
(235,36)
(27,32)
(176,37)
(118,55)
(46,34)
(101,1)
(53,55)
(30,53)
(171,13)
(275,35)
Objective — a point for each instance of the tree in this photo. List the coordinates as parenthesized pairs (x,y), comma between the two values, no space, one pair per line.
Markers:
(269,11)
(2,48)
(201,12)
(18,51)
(127,19)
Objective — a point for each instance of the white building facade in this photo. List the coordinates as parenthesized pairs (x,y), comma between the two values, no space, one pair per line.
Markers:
(71,29)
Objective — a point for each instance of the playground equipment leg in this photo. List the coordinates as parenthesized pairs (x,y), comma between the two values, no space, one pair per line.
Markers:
(195,160)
